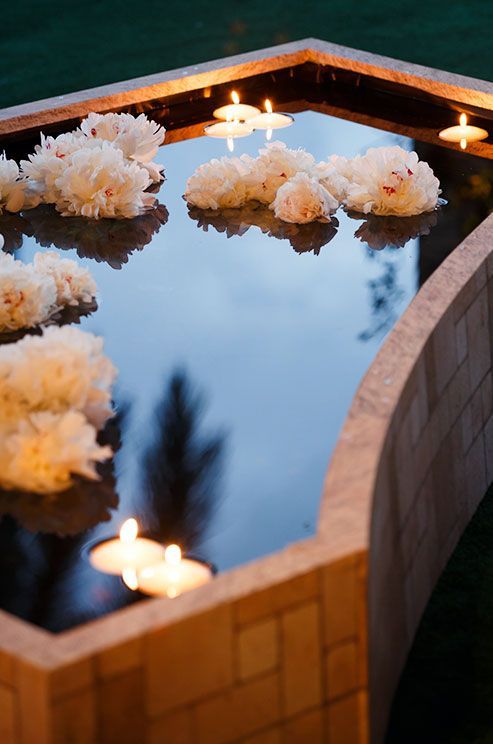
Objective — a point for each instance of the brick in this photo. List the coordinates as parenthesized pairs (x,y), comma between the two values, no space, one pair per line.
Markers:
(306,728)
(347,720)
(74,719)
(277,598)
(239,712)
(444,352)
(122,708)
(173,728)
(258,648)
(7,716)
(301,652)
(478,338)
(35,724)
(204,644)
(272,736)
(339,597)
(6,668)
(461,340)
(342,669)
(121,658)
(67,679)
(487,397)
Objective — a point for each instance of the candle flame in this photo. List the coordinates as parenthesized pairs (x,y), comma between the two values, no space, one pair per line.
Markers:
(463,120)
(172,555)
(129,531)
(268,134)
(268,106)
(463,143)
(129,576)
(231,144)
(235,97)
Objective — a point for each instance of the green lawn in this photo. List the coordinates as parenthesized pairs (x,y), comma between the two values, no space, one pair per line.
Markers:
(49,47)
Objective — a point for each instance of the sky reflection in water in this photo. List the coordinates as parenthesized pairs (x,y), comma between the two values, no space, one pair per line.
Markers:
(248,347)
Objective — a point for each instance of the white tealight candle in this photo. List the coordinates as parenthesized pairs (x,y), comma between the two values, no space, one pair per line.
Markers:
(271,120)
(464,133)
(173,575)
(236,110)
(228,130)
(126,553)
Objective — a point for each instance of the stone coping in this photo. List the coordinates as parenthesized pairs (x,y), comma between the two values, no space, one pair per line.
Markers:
(348,493)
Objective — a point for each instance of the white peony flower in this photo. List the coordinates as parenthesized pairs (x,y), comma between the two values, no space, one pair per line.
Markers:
(12,186)
(47,162)
(219,184)
(138,138)
(275,165)
(74,284)
(335,174)
(62,369)
(27,298)
(303,199)
(42,451)
(98,182)
(2,241)
(391,181)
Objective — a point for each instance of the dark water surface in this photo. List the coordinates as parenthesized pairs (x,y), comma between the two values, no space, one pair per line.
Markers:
(238,359)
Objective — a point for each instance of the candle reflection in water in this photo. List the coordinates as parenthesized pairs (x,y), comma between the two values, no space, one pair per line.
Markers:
(463,134)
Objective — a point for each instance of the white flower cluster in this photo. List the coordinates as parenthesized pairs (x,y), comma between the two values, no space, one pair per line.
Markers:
(49,420)
(284,179)
(13,187)
(100,170)
(385,181)
(30,294)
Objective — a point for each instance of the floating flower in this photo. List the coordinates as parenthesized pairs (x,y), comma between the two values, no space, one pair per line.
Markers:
(27,298)
(42,452)
(391,181)
(74,284)
(71,372)
(219,183)
(303,199)
(46,164)
(12,186)
(31,294)
(98,182)
(335,174)
(138,138)
(275,165)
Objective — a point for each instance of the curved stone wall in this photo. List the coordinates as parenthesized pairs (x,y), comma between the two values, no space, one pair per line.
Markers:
(417,453)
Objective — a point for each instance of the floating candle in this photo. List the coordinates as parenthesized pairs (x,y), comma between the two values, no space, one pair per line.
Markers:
(173,575)
(464,133)
(229,130)
(271,120)
(236,110)
(127,553)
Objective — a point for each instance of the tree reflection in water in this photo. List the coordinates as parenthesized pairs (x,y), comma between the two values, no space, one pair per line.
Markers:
(182,467)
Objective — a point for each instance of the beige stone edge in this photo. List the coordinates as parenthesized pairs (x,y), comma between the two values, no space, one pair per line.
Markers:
(346,503)
(457,88)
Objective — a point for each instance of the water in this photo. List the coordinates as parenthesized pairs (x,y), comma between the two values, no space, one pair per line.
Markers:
(238,359)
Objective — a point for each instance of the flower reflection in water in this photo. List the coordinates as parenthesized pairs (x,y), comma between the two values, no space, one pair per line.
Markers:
(380,232)
(110,241)
(13,227)
(303,238)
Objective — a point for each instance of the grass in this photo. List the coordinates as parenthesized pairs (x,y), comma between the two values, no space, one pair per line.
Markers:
(446,692)
(50,47)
